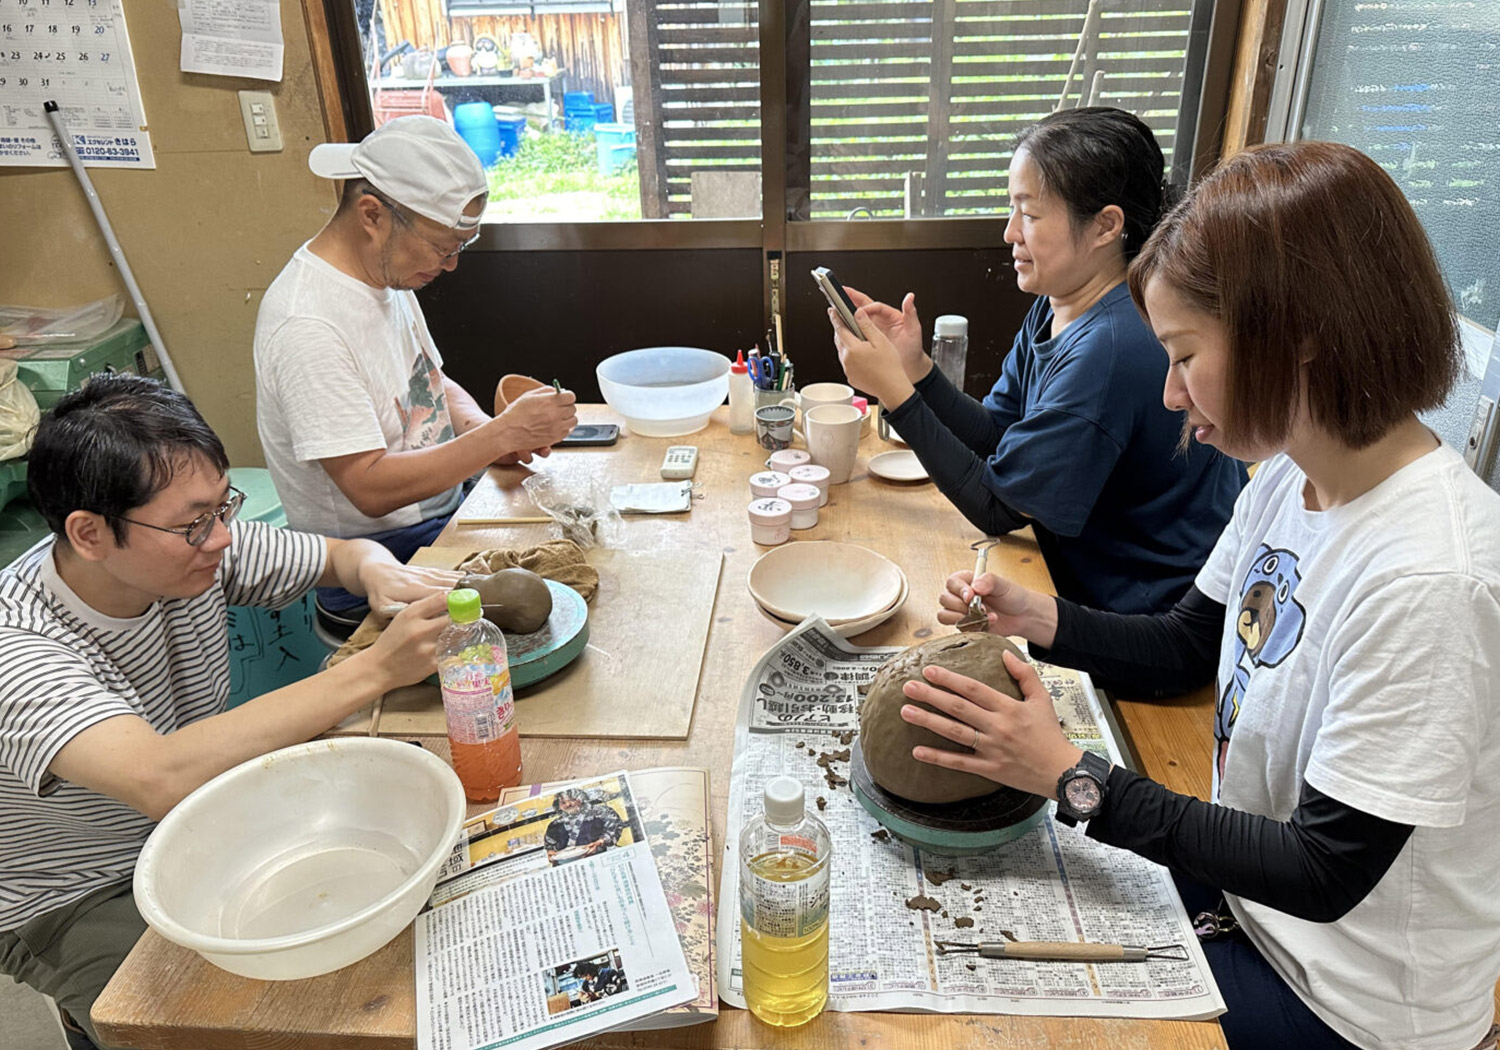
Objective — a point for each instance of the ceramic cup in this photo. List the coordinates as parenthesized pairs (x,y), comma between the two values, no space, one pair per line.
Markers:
(766,398)
(815,394)
(832,433)
(773,426)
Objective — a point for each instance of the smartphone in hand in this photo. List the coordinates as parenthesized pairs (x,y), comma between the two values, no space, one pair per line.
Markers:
(837,298)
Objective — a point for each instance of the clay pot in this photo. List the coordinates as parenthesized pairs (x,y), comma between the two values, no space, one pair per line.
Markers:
(515,600)
(460,59)
(887,740)
(511,387)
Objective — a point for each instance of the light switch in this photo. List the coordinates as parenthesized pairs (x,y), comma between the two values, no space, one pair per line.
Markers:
(262,130)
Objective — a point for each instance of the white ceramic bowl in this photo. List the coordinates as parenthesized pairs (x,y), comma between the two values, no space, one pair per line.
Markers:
(304,860)
(850,628)
(664,391)
(837,581)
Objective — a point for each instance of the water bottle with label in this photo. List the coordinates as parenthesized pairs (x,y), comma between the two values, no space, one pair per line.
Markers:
(784,869)
(950,346)
(477,699)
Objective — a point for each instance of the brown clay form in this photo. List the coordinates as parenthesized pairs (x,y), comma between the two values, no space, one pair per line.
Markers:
(887,740)
(511,387)
(515,600)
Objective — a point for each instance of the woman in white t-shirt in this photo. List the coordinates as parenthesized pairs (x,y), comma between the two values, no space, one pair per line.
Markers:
(1352,608)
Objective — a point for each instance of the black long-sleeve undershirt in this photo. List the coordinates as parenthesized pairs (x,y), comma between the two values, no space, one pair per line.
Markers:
(1317,865)
(954,436)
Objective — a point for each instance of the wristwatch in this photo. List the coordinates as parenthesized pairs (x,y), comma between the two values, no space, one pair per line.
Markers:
(1080,790)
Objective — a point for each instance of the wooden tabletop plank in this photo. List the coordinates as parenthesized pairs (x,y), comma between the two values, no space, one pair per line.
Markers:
(167,997)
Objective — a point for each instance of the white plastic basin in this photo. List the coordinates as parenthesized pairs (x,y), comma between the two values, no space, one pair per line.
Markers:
(664,391)
(302,861)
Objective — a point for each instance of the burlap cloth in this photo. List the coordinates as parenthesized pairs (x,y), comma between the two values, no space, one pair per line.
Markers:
(560,560)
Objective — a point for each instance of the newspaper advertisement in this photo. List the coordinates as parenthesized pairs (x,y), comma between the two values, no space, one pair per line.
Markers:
(891,903)
(561,931)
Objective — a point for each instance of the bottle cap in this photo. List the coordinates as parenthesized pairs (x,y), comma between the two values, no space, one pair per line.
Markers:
(951,325)
(784,800)
(464,605)
(739,367)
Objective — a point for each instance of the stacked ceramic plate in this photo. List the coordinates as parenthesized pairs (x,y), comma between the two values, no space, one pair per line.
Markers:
(850,587)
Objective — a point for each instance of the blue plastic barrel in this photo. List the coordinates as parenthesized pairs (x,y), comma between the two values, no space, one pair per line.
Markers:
(616,146)
(512,130)
(577,101)
(475,121)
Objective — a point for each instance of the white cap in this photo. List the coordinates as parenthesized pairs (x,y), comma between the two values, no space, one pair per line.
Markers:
(784,800)
(951,325)
(419,162)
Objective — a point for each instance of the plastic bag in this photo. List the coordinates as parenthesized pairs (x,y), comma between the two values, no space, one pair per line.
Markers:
(19,413)
(580,506)
(34,325)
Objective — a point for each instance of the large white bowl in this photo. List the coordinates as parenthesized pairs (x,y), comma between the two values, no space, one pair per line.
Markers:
(838,581)
(664,391)
(848,628)
(304,860)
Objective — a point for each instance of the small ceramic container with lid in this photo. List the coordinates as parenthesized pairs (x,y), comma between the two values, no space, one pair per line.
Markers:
(812,474)
(804,501)
(785,459)
(767,482)
(770,521)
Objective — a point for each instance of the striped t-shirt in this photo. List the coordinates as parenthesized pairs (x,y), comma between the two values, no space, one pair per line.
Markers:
(65,667)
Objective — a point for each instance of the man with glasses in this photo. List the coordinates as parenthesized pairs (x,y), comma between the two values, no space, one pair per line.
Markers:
(363,433)
(114,665)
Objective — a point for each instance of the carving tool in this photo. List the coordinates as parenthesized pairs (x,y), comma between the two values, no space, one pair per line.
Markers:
(976,620)
(1061,951)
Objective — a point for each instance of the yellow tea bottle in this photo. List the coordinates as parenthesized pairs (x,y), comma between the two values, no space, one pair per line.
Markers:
(784,868)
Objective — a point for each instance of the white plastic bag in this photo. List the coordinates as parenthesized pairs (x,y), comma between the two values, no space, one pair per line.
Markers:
(19,414)
(36,325)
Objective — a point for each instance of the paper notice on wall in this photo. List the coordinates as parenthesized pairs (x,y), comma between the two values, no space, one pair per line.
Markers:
(77,55)
(231,38)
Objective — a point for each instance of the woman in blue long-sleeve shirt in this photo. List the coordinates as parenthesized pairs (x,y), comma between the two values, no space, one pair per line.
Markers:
(1073,439)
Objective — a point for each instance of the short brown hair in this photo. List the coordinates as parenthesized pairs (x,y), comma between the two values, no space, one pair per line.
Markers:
(1308,251)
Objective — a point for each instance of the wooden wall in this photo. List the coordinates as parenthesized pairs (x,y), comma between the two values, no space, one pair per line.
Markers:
(205,232)
(588,46)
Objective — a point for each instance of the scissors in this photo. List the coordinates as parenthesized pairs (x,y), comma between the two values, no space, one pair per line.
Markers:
(763,370)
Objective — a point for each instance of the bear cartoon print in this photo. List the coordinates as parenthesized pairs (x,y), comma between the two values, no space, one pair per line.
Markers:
(1268,626)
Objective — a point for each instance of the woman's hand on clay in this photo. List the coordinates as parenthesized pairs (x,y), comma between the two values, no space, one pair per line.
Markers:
(1019,742)
(1011,608)
(902,327)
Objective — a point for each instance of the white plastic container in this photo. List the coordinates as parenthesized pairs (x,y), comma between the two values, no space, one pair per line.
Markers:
(805,502)
(812,474)
(741,397)
(785,459)
(770,521)
(765,484)
(304,860)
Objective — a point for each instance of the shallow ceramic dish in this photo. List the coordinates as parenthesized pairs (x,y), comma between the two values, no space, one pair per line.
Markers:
(850,628)
(837,581)
(901,465)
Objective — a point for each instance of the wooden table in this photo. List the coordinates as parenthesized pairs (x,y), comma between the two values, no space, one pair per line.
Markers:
(167,997)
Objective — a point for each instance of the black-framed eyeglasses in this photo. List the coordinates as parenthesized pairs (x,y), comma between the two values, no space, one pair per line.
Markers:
(197,531)
(405,220)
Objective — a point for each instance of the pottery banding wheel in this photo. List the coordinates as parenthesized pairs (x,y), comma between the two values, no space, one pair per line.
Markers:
(555,644)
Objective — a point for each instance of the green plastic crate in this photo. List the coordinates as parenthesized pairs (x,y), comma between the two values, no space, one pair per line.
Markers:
(51,371)
(12,480)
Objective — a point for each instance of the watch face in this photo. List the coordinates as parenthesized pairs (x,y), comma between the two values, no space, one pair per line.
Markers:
(1083,795)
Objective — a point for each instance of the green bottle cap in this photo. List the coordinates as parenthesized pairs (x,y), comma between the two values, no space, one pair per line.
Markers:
(464,605)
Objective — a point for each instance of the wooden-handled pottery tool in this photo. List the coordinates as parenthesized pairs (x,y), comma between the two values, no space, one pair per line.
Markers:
(976,620)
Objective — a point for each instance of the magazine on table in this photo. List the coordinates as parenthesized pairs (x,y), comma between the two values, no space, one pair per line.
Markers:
(570,909)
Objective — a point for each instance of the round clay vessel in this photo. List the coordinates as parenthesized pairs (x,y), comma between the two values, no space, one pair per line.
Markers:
(515,600)
(886,739)
(511,387)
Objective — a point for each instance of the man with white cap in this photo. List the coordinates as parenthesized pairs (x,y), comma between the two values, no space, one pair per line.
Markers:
(363,433)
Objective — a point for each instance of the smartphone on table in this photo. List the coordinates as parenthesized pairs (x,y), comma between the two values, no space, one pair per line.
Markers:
(837,298)
(591,434)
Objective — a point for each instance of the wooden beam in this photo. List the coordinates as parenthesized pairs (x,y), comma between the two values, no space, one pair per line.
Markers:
(646,86)
(325,71)
(934,188)
(1254,71)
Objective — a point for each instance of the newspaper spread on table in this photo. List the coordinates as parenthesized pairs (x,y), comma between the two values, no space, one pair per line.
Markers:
(547,928)
(798,715)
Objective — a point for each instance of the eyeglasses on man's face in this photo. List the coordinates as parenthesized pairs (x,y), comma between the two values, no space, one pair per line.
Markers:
(197,531)
(443,254)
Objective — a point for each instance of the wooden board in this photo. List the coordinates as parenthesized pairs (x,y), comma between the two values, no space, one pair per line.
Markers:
(615,689)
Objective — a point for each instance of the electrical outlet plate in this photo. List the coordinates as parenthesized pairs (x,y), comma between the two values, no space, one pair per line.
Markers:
(262,129)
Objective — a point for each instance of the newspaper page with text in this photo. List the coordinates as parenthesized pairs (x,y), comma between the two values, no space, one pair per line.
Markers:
(891,904)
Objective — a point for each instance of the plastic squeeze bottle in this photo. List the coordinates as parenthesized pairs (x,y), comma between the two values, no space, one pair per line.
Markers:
(481,711)
(784,867)
(741,397)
